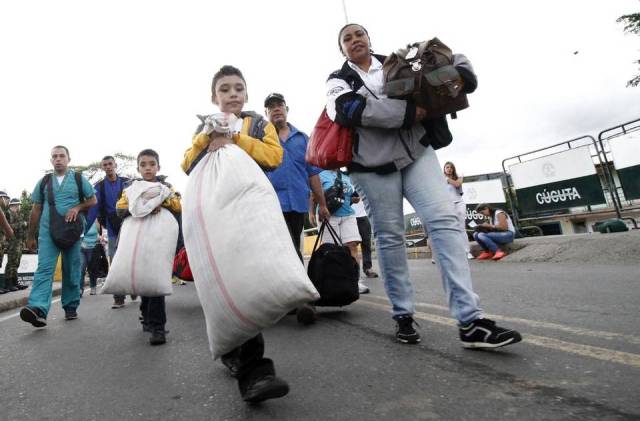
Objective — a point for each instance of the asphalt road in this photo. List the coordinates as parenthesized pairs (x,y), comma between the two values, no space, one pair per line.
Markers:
(580,358)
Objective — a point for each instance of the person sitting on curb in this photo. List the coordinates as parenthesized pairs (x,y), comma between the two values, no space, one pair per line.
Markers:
(488,236)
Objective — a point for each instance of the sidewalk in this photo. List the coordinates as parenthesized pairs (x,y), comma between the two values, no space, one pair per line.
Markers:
(17,299)
(615,248)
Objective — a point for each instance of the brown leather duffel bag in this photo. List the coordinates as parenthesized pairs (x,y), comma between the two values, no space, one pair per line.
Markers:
(424,72)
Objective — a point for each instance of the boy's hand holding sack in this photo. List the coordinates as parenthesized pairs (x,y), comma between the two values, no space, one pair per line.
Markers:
(146,245)
(245,268)
(224,123)
(432,76)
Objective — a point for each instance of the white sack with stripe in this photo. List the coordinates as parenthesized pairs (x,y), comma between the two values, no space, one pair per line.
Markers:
(246,270)
(144,260)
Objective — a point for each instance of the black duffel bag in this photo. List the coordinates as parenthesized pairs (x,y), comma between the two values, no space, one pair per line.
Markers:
(333,271)
(64,234)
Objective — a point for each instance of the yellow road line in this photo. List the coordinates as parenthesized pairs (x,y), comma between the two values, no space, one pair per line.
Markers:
(598,353)
(535,323)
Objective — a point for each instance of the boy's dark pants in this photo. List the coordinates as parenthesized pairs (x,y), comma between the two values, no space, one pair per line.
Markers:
(247,364)
(153,312)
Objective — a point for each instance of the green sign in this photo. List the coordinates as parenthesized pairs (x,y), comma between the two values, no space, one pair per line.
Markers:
(581,191)
(630,181)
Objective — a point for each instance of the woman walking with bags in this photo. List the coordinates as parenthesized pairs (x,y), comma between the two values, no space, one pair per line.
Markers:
(392,160)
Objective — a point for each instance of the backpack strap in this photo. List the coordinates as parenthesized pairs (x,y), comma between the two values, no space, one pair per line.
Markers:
(50,199)
(78,178)
(257,124)
(45,180)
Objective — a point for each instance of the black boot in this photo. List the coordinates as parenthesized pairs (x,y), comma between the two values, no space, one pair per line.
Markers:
(244,355)
(11,285)
(259,382)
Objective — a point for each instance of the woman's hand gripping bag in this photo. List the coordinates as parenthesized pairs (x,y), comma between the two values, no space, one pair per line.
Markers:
(146,246)
(246,270)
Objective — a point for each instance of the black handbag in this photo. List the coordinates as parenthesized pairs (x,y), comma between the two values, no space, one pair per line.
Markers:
(334,195)
(64,234)
(99,265)
(333,271)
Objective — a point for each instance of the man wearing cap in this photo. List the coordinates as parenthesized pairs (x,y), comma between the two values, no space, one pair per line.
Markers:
(293,180)
(14,247)
(7,231)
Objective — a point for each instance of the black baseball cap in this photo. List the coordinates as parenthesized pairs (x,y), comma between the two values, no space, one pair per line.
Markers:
(273,97)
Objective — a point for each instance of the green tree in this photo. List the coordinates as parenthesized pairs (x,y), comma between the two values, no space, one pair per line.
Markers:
(632,26)
(93,171)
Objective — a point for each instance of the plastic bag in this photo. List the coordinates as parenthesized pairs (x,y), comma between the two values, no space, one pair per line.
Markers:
(246,270)
(143,262)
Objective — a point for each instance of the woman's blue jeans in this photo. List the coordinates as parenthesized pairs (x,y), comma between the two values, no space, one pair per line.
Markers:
(423,185)
(490,240)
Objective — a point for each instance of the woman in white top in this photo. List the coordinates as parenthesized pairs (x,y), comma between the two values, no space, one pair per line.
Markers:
(499,231)
(393,159)
(454,185)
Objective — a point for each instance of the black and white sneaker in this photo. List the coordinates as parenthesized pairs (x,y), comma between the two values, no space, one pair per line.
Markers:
(405,332)
(483,333)
(70,314)
(34,316)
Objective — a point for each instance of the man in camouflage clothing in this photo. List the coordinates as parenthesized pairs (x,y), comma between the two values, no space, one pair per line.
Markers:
(4,202)
(14,246)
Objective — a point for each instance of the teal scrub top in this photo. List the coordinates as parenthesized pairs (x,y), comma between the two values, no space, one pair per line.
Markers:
(65,195)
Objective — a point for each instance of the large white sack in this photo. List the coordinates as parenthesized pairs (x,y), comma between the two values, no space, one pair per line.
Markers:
(143,263)
(246,270)
(145,196)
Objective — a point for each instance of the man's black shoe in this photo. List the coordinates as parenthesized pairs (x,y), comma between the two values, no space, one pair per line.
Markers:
(483,333)
(405,332)
(3,291)
(12,289)
(33,316)
(158,337)
(70,314)
(20,285)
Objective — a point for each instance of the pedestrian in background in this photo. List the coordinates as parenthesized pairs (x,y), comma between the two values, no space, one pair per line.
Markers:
(454,186)
(15,246)
(88,245)
(490,235)
(7,231)
(364,228)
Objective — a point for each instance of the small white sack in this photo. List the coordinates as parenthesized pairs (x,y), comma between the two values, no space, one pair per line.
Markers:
(246,270)
(145,196)
(143,263)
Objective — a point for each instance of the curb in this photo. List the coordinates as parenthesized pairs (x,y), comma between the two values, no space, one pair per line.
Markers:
(23,298)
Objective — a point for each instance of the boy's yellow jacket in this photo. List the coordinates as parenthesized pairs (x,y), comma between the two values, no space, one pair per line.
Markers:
(172,203)
(266,152)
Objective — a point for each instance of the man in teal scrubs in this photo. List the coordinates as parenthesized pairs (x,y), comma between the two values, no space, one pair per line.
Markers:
(67,202)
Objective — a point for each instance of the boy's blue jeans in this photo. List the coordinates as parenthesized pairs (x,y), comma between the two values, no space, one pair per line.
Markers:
(489,240)
(86,259)
(41,290)
(423,185)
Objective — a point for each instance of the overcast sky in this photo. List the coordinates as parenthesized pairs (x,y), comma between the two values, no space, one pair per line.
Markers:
(119,76)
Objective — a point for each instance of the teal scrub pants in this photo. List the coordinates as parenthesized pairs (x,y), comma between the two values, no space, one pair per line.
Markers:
(42,287)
